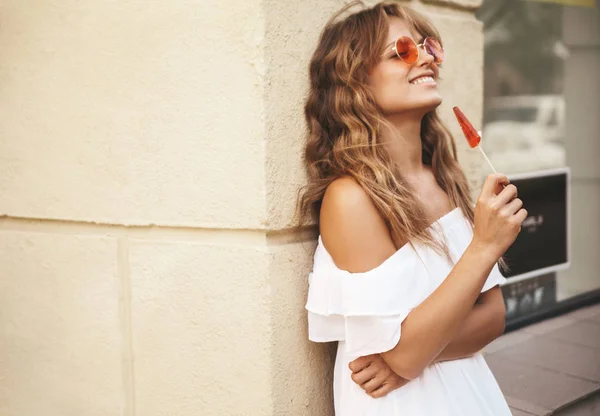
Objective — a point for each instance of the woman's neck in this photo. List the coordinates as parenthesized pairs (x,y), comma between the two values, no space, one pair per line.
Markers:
(403,142)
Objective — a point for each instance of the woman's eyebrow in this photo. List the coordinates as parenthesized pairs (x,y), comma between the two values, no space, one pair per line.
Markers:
(421,39)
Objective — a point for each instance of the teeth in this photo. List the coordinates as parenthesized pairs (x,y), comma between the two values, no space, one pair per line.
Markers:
(422,80)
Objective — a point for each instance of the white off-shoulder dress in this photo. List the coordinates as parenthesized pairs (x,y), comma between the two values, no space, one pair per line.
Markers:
(364,312)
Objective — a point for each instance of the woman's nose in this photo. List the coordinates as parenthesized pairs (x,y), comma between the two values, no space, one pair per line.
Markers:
(424,56)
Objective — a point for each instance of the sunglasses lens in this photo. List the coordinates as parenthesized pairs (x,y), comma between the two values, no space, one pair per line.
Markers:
(434,49)
(407,49)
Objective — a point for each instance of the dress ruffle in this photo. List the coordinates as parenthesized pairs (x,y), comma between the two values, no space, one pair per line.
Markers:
(366,310)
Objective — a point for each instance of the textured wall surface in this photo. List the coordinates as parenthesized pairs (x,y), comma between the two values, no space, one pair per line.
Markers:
(201,329)
(150,155)
(132,112)
(61,335)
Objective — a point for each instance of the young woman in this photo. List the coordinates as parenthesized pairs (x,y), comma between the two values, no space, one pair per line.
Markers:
(405,275)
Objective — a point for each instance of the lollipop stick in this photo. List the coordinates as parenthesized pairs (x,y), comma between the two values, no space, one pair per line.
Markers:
(486,158)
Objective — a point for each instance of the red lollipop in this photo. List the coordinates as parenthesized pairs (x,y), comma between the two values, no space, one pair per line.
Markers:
(469,131)
(472,136)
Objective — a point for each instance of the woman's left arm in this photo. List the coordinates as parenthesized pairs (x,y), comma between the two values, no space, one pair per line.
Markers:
(484,324)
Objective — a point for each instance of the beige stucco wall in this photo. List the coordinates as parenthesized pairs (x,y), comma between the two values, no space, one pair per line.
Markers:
(149,160)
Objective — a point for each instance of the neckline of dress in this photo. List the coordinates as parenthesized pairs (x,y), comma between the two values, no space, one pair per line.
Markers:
(443,221)
(444,218)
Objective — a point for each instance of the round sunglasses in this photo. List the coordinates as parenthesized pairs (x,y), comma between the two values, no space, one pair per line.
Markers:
(407,50)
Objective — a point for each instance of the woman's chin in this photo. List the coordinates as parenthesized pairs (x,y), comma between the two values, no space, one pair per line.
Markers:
(436,99)
(421,107)
(429,105)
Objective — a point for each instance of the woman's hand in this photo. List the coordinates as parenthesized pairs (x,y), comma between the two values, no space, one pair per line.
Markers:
(498,216)
(374,376)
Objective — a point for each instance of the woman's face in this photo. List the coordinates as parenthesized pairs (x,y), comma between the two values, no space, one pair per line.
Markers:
(392,81)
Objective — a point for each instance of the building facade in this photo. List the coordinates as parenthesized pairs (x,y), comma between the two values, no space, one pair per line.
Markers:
(150,157)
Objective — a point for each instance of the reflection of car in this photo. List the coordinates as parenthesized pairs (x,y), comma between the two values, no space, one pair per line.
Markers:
(525,133)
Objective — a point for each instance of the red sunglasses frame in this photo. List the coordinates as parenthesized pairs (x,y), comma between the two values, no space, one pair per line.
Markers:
(426,45)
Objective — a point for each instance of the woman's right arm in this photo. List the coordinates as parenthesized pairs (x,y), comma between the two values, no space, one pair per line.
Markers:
(358,240)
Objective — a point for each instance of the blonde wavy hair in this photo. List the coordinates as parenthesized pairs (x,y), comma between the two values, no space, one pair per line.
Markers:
(344,125)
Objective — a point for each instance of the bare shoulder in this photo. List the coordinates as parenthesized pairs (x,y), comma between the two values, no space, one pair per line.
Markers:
(352,229)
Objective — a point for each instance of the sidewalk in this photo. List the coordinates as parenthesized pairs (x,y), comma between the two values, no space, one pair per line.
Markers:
(550,365)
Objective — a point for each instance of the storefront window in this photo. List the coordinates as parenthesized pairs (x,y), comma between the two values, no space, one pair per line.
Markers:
(542,117)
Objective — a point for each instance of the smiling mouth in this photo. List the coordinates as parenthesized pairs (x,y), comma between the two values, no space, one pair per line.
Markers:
(423,80)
